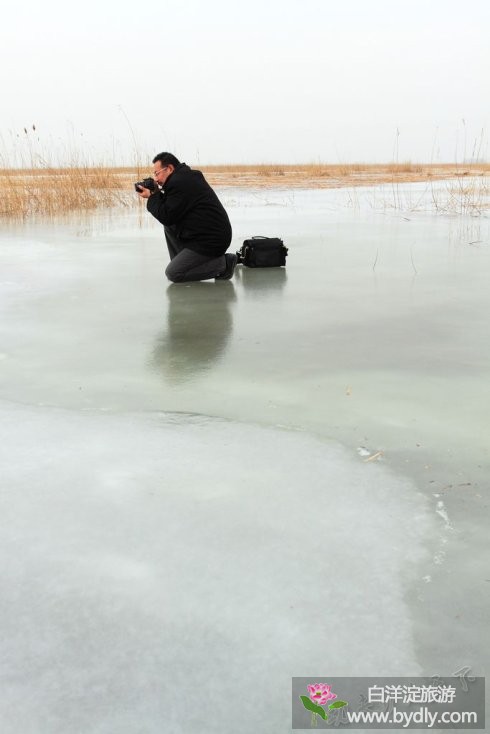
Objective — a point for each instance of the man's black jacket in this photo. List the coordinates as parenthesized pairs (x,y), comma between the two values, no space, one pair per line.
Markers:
(189,205)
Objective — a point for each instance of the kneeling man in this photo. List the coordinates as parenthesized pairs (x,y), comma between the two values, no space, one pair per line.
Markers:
(197,228)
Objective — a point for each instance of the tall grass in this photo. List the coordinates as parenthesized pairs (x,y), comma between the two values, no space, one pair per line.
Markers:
(50,192)
(466,196)
(32,183)
(40,189)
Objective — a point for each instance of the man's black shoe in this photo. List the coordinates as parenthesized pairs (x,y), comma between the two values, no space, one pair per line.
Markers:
(231,261)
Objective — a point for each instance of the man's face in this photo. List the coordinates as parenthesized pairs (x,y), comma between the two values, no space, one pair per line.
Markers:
(162,172)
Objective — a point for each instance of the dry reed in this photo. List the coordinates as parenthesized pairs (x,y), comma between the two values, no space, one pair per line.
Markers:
(52,191)
(381,172)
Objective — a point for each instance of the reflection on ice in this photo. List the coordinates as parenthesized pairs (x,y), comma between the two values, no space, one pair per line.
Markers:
(198,328)
(262,284)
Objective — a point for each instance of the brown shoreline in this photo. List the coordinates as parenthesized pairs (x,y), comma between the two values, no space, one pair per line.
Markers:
(334,176)
(53,191)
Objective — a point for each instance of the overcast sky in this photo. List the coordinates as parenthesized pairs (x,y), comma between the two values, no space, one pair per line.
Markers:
(260,81)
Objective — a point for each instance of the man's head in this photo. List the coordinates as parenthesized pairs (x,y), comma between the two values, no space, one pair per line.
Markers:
(165,164)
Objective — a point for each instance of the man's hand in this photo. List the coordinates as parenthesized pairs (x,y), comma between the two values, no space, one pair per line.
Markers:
(145,193)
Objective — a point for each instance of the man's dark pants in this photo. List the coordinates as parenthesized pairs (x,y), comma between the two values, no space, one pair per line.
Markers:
(186,265)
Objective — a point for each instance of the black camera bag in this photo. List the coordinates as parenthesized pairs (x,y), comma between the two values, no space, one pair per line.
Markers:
(263,252)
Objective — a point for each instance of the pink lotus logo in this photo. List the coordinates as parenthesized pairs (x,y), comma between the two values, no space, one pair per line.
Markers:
(318,695)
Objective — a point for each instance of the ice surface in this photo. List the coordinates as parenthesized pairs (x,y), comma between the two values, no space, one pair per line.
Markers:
(191,515)
(162,572)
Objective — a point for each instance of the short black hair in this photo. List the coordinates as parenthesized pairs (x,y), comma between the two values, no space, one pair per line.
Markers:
(166,159)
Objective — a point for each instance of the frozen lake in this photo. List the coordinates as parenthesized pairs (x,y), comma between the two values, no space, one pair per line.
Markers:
(210,488)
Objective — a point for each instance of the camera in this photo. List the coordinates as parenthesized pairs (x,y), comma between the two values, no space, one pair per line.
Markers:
(147,183)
